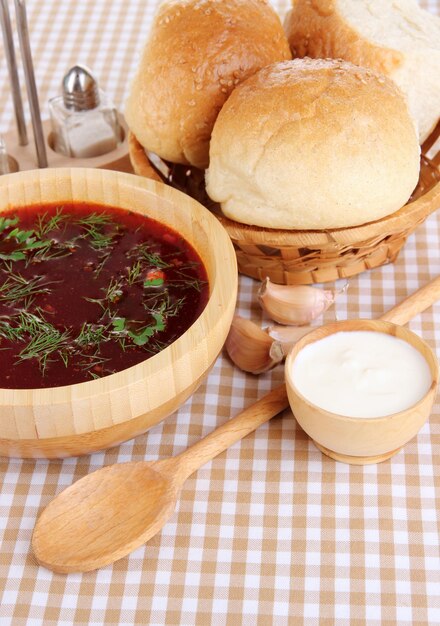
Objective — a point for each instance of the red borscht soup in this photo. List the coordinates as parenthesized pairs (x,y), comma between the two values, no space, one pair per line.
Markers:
(89,290)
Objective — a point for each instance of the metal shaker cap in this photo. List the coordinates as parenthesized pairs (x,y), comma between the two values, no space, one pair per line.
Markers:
(80,89)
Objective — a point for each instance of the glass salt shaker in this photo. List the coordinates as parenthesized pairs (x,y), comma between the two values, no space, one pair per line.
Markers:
(84,120)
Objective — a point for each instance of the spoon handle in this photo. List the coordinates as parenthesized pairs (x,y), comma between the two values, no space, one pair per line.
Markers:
(417,302)
(228,433)
(272,403)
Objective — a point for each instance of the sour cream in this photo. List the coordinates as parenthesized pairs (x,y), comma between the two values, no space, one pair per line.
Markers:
(361,374)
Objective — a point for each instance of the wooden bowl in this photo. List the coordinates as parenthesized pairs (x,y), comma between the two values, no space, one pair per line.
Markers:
(310,256)
(355,440)
(85,417)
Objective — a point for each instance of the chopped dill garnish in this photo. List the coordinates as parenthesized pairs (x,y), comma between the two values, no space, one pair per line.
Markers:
(99,240)
(36,244)
(112,294)
(143,252)
(114,290)
(25,242)
(94,219)
(94,230)
(92,363)
(9,332)
(31,244)
(104,257)
(46,224)
(93,334)
(52,250)
(164,304)
(16,287)
(188,282)
(134,273)
(138,287)
(45,340)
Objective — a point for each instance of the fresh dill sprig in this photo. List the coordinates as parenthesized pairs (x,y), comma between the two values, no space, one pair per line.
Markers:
(16,287)
(93,334)
(45,340)
(10,332)
(102,261)
(143,252)
(112,294)
(94,229)
(95,219)
(52,250)
(134,273)
(114,290)
(47,224)
(187,282)
(33,245)
(99,240)
(91,361)
(164,304)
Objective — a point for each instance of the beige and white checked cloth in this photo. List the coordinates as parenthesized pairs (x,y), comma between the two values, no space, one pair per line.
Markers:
(271,532)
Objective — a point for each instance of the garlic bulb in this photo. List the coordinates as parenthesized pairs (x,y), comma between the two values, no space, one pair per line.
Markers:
(287,336)
(294,304)
(252,349)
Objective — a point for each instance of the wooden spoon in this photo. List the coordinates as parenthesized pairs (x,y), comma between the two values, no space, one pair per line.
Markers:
(107,514)
(111,512)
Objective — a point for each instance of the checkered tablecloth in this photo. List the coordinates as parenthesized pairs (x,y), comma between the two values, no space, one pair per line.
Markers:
(271,531)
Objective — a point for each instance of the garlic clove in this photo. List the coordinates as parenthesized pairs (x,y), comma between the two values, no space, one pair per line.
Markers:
(251,348)
(287,336)
(294,304)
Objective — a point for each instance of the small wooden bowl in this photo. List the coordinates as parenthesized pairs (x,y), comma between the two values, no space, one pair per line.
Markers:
(310,256)
(354,440)
(82,418)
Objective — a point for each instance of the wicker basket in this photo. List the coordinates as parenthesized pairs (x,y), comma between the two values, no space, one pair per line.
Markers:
(312,256)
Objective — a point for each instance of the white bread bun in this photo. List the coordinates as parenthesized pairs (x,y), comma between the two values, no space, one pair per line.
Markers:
(197,52)
(395,37)
(313,144)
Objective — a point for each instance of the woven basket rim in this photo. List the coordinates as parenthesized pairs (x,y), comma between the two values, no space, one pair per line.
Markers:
(401,220)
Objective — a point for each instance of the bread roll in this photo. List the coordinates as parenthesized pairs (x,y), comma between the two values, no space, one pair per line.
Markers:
(197,52)
(395,37)
(313,144)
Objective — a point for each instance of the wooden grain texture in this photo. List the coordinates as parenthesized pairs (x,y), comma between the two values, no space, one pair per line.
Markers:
(107,514)
(100,439)
(414,304)
(368,439)
(102,517)
(365,441)
(356,460)
(227,434)
(315,256)
(24,157)
(81,418)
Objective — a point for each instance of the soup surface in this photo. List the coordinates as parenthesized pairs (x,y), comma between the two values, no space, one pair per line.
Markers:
(89,290)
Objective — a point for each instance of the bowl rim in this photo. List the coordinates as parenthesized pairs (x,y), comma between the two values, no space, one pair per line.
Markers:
(359,324)
(221,279)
